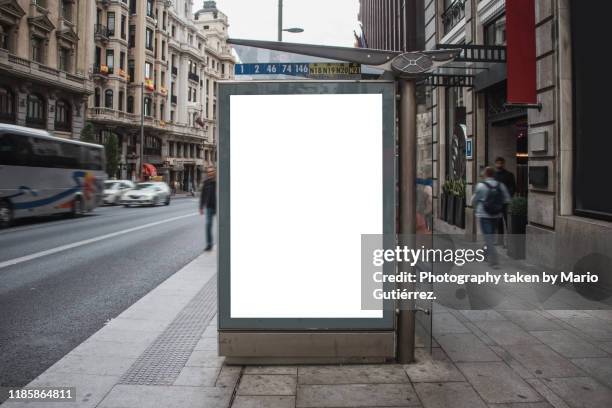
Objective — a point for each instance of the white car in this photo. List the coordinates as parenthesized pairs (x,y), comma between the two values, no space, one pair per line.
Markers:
(148,193)
(114,189)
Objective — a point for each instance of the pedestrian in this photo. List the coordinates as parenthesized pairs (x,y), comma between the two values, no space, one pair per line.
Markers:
(489,199)
(506,177)
(208,203)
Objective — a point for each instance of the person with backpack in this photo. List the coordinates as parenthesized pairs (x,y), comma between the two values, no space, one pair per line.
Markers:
(490,198)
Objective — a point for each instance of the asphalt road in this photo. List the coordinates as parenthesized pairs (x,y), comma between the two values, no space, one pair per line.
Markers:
(62,279)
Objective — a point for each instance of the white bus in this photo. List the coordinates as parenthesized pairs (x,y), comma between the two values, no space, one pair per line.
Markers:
(43,175)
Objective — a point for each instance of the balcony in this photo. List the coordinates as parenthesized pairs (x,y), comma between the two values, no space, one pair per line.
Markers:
(101,32)
(194,77)
(102,71)
(453,15)
(30,70)
(108,115)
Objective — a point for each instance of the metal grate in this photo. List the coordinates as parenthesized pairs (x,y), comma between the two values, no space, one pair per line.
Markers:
(162,362)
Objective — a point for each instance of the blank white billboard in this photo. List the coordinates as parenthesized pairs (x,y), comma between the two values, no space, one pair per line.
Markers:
(306,180)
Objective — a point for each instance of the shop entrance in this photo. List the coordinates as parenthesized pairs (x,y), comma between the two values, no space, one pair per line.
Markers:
(507,137)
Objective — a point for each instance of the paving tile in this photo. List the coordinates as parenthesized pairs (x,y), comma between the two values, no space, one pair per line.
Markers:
(480,315)
(205,358)
(506,333)
(287,370)
(122,323)
(498,383)
(356,395)
(581,392)
(530,320)
(207,344)
(147,396)
(598,329)
(607,346)
(91,364)
(352,374)
(514,364)
(90,389)
(260,384)
(604,314)
(552,398)
(466,347)
(434,367)
(264,402)
(110,349)
(523,405)
(228,377)
(197,377)
(568,344)
(447,323)
(599,368)
(452,394)
(543,361)
(568,314)
(210,332)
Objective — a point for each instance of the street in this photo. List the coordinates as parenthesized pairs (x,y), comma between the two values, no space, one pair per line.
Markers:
(62,279)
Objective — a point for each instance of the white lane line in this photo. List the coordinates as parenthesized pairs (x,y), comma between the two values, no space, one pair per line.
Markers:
(52,251)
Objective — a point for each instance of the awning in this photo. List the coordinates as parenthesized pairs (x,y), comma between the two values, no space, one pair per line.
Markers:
(476,66)
(149,170)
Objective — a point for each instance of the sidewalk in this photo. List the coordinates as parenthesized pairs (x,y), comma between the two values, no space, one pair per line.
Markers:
(162,352)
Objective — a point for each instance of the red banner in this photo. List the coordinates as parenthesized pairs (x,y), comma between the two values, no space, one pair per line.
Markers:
(521,51)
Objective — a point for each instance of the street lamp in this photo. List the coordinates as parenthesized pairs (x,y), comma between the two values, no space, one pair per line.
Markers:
(294,30)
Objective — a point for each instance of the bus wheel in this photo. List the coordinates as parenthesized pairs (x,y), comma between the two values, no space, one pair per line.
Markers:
(6,214)
(78,207)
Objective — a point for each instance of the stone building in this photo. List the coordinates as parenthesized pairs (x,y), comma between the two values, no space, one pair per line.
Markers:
(151,58)
(556,152)
(43,64)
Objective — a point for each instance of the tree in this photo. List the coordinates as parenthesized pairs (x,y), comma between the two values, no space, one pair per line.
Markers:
(88,133)
(111,147)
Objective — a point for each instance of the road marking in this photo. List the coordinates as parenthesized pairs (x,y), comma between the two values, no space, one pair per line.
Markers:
(66,247)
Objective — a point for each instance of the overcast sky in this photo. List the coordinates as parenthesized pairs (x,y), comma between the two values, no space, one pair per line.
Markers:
(326,22)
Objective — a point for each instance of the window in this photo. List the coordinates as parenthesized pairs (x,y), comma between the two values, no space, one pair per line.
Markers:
(108,99)
(110,22)
(150,8)
(5,37)
(495,32)
(38,49)
(121,96)
(65,59)
(131,69)
(97,97)
(132,6)
(163,50)
(66,10)
(148,70)
(63,117)
(130,104)
(132,38)
(173,31)
(122,60)
(7,105)
(162,109)
(149,39)
(148,107)
(36,109)
(123,25)
(110,60)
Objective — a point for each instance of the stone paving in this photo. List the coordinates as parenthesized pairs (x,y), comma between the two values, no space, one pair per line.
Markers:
(480,359)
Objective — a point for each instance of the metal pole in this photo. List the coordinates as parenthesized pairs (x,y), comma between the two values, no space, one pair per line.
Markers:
(407,179)
(142,107)
(280,20)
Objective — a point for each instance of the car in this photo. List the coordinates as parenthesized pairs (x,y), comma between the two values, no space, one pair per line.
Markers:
(147,193)
(114,190)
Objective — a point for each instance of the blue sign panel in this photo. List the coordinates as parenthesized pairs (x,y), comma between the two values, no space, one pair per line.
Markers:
(295,69)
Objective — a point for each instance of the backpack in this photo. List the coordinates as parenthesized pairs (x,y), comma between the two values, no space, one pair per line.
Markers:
(494,201)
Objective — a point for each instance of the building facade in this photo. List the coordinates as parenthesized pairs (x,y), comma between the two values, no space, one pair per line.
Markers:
(150,59)
(554,151)
(44,47)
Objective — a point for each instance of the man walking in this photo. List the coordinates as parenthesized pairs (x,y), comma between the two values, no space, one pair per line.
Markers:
(507,178)
(208,202)
(489,198)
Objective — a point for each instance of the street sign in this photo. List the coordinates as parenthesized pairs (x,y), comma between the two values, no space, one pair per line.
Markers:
(299,69)
(295,69)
